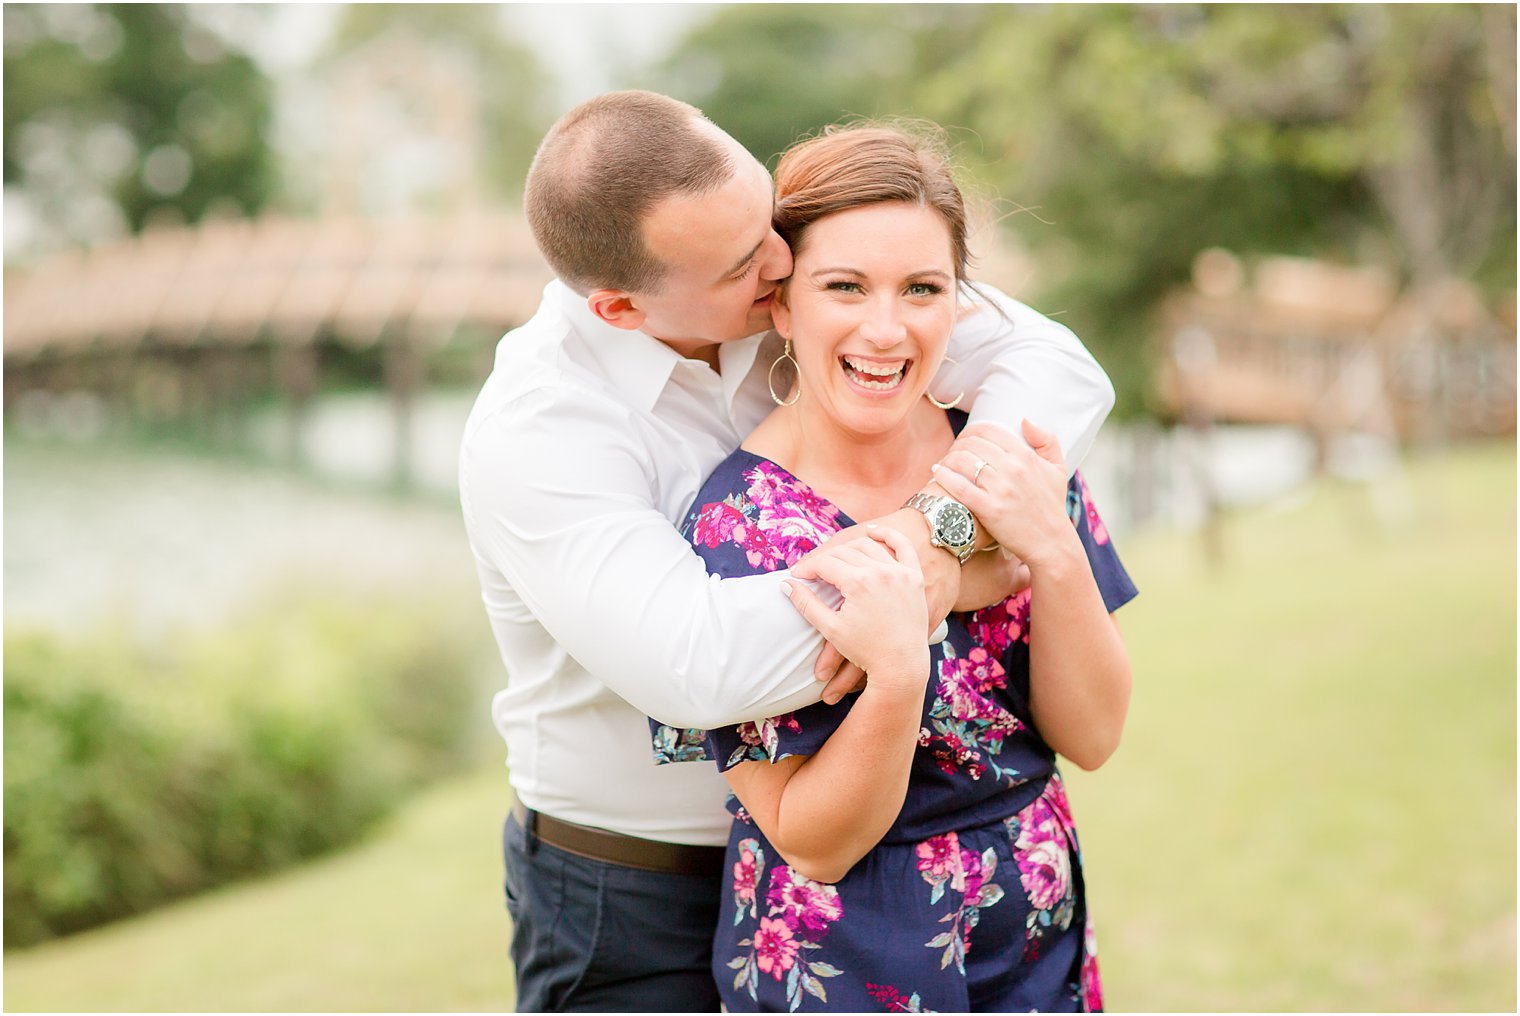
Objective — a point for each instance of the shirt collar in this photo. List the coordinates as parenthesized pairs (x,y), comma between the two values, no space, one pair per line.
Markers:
(641,365)
(638,364)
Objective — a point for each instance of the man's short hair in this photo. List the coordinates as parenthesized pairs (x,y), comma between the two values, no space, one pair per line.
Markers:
(598,173)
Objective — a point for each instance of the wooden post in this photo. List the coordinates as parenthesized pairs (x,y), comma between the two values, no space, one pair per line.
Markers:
(404,375)
(296,375)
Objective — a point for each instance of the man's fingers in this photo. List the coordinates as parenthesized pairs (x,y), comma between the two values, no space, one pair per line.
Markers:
(1044,444)
(900,546)
(991,432)
(827,665)
(850,678)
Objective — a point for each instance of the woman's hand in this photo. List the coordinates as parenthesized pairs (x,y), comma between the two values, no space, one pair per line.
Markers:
(1017,492)
(880,625)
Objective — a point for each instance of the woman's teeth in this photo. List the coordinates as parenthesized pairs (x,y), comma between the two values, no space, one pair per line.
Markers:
(880,376)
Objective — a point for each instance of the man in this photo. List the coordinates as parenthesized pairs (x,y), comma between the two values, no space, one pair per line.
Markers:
(604,413)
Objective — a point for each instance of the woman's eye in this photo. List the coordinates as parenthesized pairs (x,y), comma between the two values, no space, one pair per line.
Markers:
(747,270)
(845,287)
(924,289)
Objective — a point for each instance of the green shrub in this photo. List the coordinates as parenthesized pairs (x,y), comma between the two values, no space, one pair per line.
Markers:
(136,775)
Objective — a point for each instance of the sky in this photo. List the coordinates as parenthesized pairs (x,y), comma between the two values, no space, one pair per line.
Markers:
(582,45)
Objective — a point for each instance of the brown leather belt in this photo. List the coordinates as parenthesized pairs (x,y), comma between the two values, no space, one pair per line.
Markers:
(615,848)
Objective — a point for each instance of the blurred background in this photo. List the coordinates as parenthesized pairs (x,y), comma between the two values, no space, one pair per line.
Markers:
(256,260)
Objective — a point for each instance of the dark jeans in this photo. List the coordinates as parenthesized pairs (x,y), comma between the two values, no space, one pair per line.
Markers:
(590,936)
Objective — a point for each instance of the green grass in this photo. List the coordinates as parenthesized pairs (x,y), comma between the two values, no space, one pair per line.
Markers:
(1314,808)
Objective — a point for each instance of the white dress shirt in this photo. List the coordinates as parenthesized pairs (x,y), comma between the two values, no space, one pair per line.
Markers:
(582,454)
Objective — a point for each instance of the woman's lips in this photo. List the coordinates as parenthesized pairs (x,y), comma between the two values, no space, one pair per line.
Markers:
(876,377)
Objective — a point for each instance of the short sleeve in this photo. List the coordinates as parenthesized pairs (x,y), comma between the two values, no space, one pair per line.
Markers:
(1113,581)
(777,737)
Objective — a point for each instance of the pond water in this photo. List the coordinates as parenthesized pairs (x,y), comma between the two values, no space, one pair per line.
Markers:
(162,538)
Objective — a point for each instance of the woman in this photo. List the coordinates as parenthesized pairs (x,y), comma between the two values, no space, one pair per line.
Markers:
(910,848)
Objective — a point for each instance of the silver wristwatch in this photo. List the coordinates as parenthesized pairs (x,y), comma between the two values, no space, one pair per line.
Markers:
(951,524)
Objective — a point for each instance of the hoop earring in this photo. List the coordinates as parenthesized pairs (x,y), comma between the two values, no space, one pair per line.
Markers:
(953,402)
(770,378)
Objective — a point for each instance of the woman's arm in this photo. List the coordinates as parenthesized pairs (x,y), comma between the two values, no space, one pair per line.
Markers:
(1079,668)
(824,812)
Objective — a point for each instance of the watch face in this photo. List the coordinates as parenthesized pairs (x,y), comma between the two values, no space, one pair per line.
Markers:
(954,526)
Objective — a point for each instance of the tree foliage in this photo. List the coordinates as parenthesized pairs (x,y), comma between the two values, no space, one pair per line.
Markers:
(509,82)
(116,111)
(1142,134)
(769,74)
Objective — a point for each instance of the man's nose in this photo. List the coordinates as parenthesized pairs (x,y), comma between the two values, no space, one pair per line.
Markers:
(777,258)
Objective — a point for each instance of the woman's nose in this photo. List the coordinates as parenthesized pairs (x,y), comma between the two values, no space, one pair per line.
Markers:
(883,326)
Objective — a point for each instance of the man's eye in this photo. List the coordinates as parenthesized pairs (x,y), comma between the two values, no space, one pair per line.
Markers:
(747,270)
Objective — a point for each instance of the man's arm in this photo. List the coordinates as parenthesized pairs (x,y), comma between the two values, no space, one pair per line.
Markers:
(572,523)
(1021,365)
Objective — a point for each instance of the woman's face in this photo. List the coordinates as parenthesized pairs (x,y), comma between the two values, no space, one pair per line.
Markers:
(869,309)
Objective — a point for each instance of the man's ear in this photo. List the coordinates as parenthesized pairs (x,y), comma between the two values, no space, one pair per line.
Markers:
(615,307)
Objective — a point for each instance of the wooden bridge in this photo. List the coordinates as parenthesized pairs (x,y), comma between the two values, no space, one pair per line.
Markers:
(1336,349)
(191,324)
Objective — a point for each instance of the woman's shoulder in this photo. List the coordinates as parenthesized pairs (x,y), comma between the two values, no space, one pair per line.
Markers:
(755,507)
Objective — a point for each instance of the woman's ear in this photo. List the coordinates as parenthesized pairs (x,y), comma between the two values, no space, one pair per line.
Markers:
(781,314)
(616,307)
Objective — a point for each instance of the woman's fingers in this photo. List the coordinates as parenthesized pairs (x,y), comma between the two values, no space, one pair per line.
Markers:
(813,610)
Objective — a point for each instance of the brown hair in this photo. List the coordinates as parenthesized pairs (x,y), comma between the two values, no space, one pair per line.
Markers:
(852,165)
(600,170)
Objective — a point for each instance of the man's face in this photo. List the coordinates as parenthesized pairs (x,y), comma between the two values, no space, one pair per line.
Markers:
(723,260)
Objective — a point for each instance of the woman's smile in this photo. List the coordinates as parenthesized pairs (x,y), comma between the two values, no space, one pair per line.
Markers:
(873,376)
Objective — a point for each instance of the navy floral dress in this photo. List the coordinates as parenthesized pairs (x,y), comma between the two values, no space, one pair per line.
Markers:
(973,901)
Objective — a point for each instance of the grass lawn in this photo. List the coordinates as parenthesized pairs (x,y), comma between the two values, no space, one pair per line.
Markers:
(1314,808)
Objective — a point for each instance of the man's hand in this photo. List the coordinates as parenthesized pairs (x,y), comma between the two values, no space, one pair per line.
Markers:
(991,577)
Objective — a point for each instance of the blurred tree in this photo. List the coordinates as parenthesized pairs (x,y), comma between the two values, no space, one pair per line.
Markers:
(1145,133)
(118,112)
(769,74)
(511,87)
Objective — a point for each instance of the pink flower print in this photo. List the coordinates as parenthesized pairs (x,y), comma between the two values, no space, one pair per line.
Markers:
(893,1000)
(937,856)
(983,672)
(802,902)
(1001,625)
(823,515)
(746,875)
(1044,861)
(758,549)
(1054,797)
(1092,981)
(970,875)
(718,523)
(769,732)
(775,947)
(791,534)
(769,485)
(749,733)
(1095,524)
